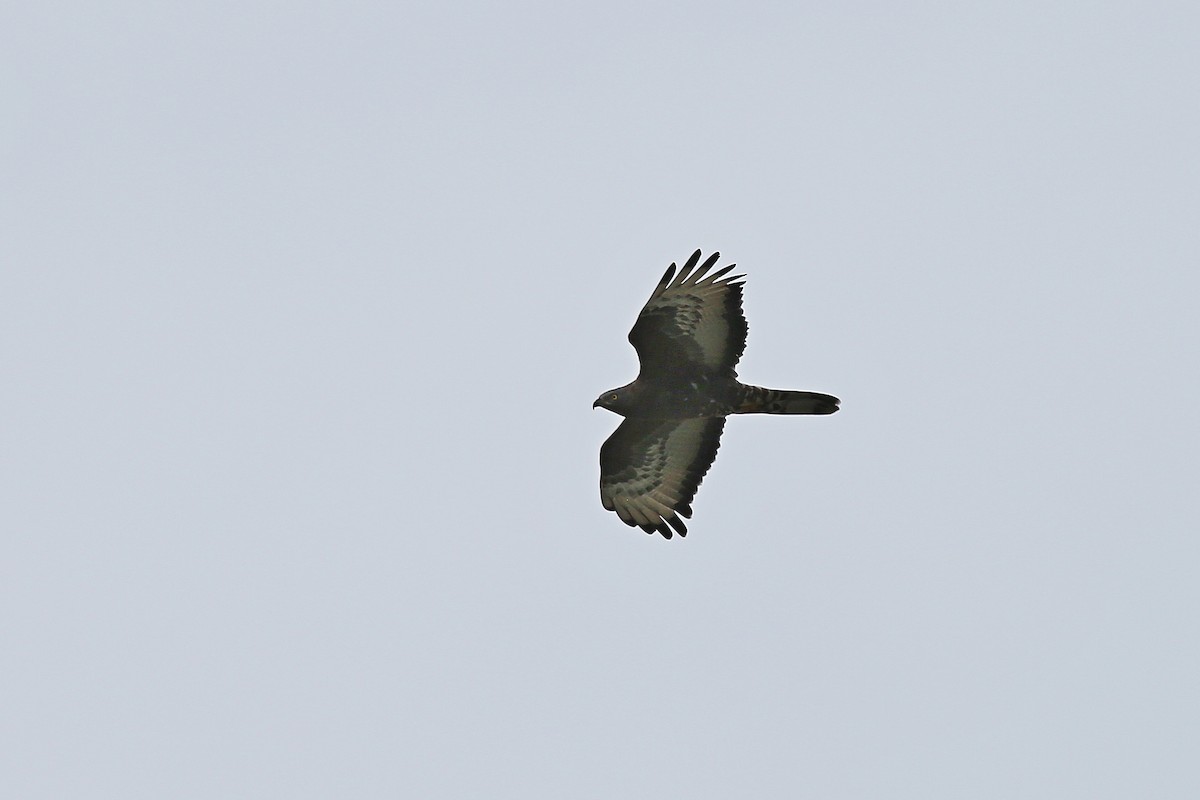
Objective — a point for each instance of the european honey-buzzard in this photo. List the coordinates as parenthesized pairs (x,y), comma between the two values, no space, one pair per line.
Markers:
(688,338)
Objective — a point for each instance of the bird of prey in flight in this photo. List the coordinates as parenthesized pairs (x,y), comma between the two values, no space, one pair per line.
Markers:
(688,338)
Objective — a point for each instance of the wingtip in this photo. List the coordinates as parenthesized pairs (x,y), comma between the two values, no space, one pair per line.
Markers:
(661,527)
(696,278)
(678,525)
(666,278)
(725,270)
(688,266)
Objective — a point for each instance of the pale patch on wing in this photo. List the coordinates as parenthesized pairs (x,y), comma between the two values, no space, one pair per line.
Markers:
(649,470)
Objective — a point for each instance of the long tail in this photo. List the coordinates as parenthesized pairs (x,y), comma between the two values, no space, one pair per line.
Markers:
(757,400)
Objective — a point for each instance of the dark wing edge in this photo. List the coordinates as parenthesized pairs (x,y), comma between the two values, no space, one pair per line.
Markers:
(692,317)
(650,470)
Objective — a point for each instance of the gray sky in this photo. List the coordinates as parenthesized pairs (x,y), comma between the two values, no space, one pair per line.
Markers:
(303,308)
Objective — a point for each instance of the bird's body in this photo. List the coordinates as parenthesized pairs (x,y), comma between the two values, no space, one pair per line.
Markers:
(689,337)
(682,395)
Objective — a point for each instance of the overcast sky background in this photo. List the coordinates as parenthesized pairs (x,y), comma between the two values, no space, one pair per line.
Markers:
(303,307)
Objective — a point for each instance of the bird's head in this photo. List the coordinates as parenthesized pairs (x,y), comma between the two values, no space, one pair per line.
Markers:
(614,400)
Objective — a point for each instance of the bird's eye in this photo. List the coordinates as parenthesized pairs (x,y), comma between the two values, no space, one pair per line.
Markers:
(612,396)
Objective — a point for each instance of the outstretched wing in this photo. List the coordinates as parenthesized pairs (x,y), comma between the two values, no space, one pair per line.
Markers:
(650,468)
(692,322)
